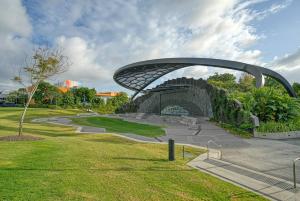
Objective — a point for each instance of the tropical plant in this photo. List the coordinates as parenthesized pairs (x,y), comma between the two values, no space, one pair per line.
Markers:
(269,104)
(225,81)
(271,82)
(246,82)
(296,87)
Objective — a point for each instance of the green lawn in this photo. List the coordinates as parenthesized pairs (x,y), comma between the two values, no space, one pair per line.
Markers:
(121,126)
(70,166)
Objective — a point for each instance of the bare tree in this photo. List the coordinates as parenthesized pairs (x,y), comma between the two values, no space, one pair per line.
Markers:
(44,63)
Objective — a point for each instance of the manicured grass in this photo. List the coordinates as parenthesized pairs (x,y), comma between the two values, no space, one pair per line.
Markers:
(121,126)
(70,166)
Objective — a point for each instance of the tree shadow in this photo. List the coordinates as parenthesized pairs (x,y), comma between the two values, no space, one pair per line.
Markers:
(120,169)
(45,132)
(112,140)
(141,159)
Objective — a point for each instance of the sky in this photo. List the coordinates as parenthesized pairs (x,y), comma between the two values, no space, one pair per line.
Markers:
(100,36)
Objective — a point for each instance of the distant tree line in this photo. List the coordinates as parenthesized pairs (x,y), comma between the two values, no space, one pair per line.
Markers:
(48,95)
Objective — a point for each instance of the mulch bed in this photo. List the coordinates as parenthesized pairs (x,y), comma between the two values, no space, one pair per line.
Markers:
(13,138)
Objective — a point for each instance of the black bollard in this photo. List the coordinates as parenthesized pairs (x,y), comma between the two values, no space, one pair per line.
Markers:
(171,150)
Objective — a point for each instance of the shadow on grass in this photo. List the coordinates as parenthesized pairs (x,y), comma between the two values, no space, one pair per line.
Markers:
(141,159)
(121,169)
(45,132)
(113,140)
(12,117)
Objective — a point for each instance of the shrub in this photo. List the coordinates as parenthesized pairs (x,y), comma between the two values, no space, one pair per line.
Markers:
(272,126)
(269,104)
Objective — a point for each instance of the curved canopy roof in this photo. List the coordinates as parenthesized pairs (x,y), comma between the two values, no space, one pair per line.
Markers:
(137,76)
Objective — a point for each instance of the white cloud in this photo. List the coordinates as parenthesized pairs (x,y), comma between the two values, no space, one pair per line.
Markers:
(101,36)
(15,32)
(275,8)
(83,58)
(13,19)
(196,72)
(288,65)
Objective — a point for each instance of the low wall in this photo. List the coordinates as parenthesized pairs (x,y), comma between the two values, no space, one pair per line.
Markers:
(278,136)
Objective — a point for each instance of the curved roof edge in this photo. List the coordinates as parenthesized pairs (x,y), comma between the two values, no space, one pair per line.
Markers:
(137,76)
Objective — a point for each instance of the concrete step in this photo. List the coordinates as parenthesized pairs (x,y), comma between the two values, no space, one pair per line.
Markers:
(269,186)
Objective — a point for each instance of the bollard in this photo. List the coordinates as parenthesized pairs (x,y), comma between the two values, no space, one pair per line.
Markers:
(294,171)
(183,151)
(171,150)
(294,175)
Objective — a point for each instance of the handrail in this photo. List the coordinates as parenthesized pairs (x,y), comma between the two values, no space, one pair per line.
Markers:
(207,147)
(294,171)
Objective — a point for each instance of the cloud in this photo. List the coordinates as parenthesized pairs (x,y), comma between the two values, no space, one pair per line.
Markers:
(274,8)
(15,32)
(101,36)
(288,65)
(83,58)
(13,19)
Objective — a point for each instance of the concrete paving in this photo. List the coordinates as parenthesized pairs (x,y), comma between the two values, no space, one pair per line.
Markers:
(273,157)
(271,187)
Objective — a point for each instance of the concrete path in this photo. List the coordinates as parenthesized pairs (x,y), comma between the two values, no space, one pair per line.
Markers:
(269,186)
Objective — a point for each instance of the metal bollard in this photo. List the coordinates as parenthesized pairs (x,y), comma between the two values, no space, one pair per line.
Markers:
(171,150)
(294,174)
(294,171)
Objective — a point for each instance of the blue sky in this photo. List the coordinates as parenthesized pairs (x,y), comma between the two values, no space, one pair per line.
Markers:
(100,36)
(281,30)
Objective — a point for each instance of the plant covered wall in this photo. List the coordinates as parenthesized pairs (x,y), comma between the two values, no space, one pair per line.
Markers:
(229,110)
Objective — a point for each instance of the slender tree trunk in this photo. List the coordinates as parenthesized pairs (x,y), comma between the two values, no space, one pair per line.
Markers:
(25,109)
(22,117)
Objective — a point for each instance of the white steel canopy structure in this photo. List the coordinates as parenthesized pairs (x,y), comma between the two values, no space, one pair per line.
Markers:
(137,76)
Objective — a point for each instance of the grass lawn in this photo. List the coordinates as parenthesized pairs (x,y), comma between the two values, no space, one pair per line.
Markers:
(121,126)
(70,166)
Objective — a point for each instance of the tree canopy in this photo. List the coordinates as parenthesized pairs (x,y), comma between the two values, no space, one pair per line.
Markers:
(226,80)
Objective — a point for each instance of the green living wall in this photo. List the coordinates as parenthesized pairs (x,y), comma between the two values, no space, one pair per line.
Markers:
(231,111)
